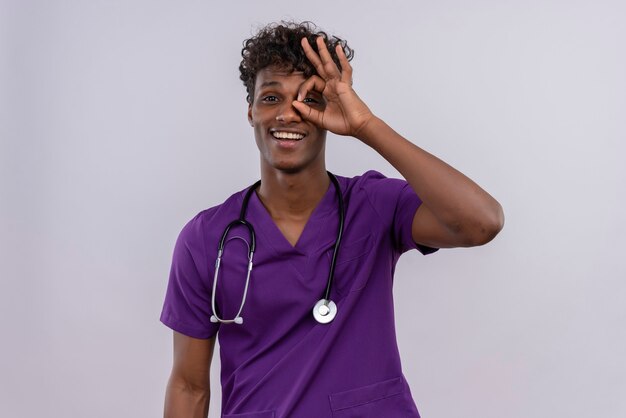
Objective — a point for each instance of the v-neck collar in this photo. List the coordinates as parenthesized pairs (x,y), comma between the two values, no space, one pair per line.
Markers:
(262,221)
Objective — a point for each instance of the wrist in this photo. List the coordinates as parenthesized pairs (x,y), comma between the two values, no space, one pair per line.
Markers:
(367,132)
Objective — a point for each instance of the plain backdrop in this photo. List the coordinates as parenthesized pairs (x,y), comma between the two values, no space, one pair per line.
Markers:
(121,120)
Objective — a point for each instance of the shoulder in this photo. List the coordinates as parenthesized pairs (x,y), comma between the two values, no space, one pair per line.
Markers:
(214,217)
(368,181)
(373,186)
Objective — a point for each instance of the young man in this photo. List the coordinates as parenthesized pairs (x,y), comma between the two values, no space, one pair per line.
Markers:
(300,346)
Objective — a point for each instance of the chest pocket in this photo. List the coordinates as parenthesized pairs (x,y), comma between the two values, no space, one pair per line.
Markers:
(389,398)
(351,270)
(265,414)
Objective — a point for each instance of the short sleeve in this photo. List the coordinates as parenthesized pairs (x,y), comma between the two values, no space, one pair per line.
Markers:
(187,305)
(395,200)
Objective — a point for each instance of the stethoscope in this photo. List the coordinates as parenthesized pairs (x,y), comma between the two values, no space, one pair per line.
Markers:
(325,309)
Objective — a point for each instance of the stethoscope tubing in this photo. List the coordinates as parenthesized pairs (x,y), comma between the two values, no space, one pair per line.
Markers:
(331,273)
(326,302)
(251,247)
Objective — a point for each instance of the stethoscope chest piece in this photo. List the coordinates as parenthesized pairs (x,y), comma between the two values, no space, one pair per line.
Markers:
(324,311)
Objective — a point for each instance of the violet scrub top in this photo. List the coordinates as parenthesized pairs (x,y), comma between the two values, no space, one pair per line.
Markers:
(281,362)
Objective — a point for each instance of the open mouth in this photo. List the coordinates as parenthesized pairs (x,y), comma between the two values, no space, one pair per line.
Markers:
(283,135)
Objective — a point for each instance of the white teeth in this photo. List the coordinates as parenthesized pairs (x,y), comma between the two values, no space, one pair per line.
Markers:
(287,135)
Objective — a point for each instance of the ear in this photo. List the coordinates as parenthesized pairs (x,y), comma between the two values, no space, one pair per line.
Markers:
(250,121)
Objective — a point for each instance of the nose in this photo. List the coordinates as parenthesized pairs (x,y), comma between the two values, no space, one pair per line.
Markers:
(288,114)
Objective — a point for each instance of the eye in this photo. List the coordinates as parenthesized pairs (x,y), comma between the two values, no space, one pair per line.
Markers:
(314,100)
(270,98)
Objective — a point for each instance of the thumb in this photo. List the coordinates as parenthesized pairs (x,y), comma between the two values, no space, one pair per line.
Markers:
(310,114)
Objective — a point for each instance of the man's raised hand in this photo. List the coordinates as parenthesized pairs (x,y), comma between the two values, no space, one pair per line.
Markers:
(344,112)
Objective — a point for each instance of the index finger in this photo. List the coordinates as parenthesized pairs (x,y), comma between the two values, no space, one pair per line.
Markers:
(313,83)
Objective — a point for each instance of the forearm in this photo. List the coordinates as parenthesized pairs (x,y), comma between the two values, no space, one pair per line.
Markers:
(183,401)
(457,202)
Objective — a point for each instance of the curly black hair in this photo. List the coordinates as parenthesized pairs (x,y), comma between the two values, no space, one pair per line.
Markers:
(278,44)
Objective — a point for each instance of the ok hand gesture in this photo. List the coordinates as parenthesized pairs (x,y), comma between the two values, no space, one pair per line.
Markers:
(344,113)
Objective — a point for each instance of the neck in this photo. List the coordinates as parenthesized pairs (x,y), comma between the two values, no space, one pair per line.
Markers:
(292,195)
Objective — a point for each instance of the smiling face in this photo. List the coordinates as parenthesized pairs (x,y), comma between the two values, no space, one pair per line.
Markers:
(286,141)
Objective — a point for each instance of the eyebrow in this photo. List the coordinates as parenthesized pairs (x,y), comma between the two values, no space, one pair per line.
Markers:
(270,83)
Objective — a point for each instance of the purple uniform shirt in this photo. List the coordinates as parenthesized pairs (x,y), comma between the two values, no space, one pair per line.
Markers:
(280,362)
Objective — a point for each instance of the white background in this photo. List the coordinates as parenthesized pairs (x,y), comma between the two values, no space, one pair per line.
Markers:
(120,120)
